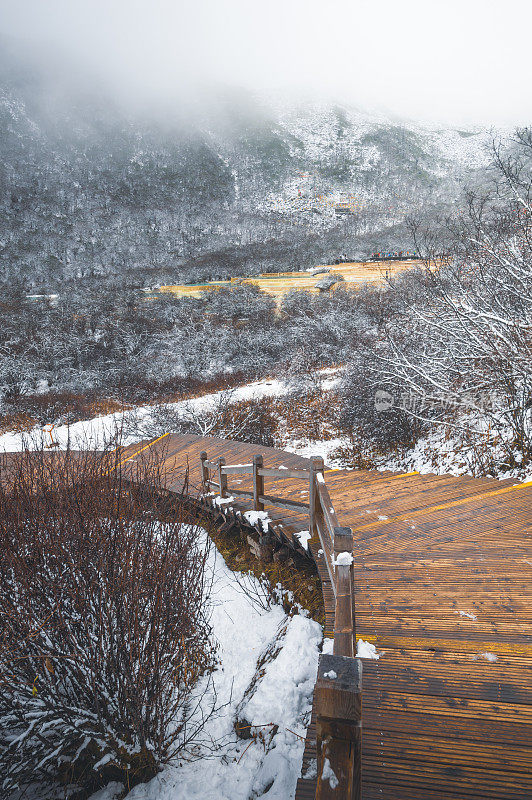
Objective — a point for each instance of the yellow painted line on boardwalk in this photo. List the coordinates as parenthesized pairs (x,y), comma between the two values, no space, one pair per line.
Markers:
(384,477)
(402,475)
(107,471)
(143,448)
(451,504)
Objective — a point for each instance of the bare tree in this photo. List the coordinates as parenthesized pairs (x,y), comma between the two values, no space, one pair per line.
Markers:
(221,415)
(466,345)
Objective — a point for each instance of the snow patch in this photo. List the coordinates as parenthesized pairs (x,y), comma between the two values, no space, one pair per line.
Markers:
(254,517)
(343,560)
(103,761)
(328,646)
(312,770)
(309,448)
(367,650)
(327,774)
(487,656)
(96,433)
(222,501)
(303,537)
(467,615)
(111,791)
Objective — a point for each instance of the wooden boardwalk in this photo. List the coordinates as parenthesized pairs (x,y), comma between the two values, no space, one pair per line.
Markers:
(443,582)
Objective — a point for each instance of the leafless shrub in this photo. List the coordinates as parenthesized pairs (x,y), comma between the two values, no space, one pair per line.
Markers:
(468,346)
(103,629)
(241,420)
(258,590)
(309,414)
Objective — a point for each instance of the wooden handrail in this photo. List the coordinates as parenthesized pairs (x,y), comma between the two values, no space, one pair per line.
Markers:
(323,521)
(273,472)
(238,492)
(338,689)
(238,469)
(283,502)
(266,472)
(316,468)
(209,464)
(222,478)
(338,709)
(328,555)
(344,614)
(328,509)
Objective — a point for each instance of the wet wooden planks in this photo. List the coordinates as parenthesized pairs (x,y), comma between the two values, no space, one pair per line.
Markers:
(443,573)
(443,570)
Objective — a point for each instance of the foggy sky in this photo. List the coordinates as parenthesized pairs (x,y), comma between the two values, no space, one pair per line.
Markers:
(452,61)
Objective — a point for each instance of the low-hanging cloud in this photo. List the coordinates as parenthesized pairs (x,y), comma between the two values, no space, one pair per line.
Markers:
(463,62)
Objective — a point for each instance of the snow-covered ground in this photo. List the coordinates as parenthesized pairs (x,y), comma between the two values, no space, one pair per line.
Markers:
(278,706)
(97,432)
(444,450)
(309,448)
(440,453)
(437,452)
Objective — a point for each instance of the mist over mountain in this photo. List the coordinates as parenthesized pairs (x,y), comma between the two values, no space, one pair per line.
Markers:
(207,188)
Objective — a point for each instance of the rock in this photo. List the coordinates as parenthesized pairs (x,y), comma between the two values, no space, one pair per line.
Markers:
(328,282)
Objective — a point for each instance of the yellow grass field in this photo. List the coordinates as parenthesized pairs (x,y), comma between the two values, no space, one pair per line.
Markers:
(279,283)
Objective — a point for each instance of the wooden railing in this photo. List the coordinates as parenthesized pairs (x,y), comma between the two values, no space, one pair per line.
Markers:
(337,695)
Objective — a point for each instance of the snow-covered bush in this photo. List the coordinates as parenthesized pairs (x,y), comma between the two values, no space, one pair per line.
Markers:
(373,428)
(454,348)
(251,421)
(465,348)
(103,629)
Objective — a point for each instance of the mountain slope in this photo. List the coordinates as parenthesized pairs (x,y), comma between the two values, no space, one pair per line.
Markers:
(231,185)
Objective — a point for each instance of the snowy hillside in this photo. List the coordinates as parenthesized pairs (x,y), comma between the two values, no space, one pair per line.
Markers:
(230,187)
(359,150)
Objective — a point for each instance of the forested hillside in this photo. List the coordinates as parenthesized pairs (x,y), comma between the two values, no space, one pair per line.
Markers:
(90,190)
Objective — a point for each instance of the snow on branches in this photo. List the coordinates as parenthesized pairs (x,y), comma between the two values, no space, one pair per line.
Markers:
(103,625)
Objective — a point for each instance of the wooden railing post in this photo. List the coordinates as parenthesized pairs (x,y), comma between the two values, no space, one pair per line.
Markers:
(338,706)
(344,617)
(316,467)
(204,470)
(258,483)
(222,478)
